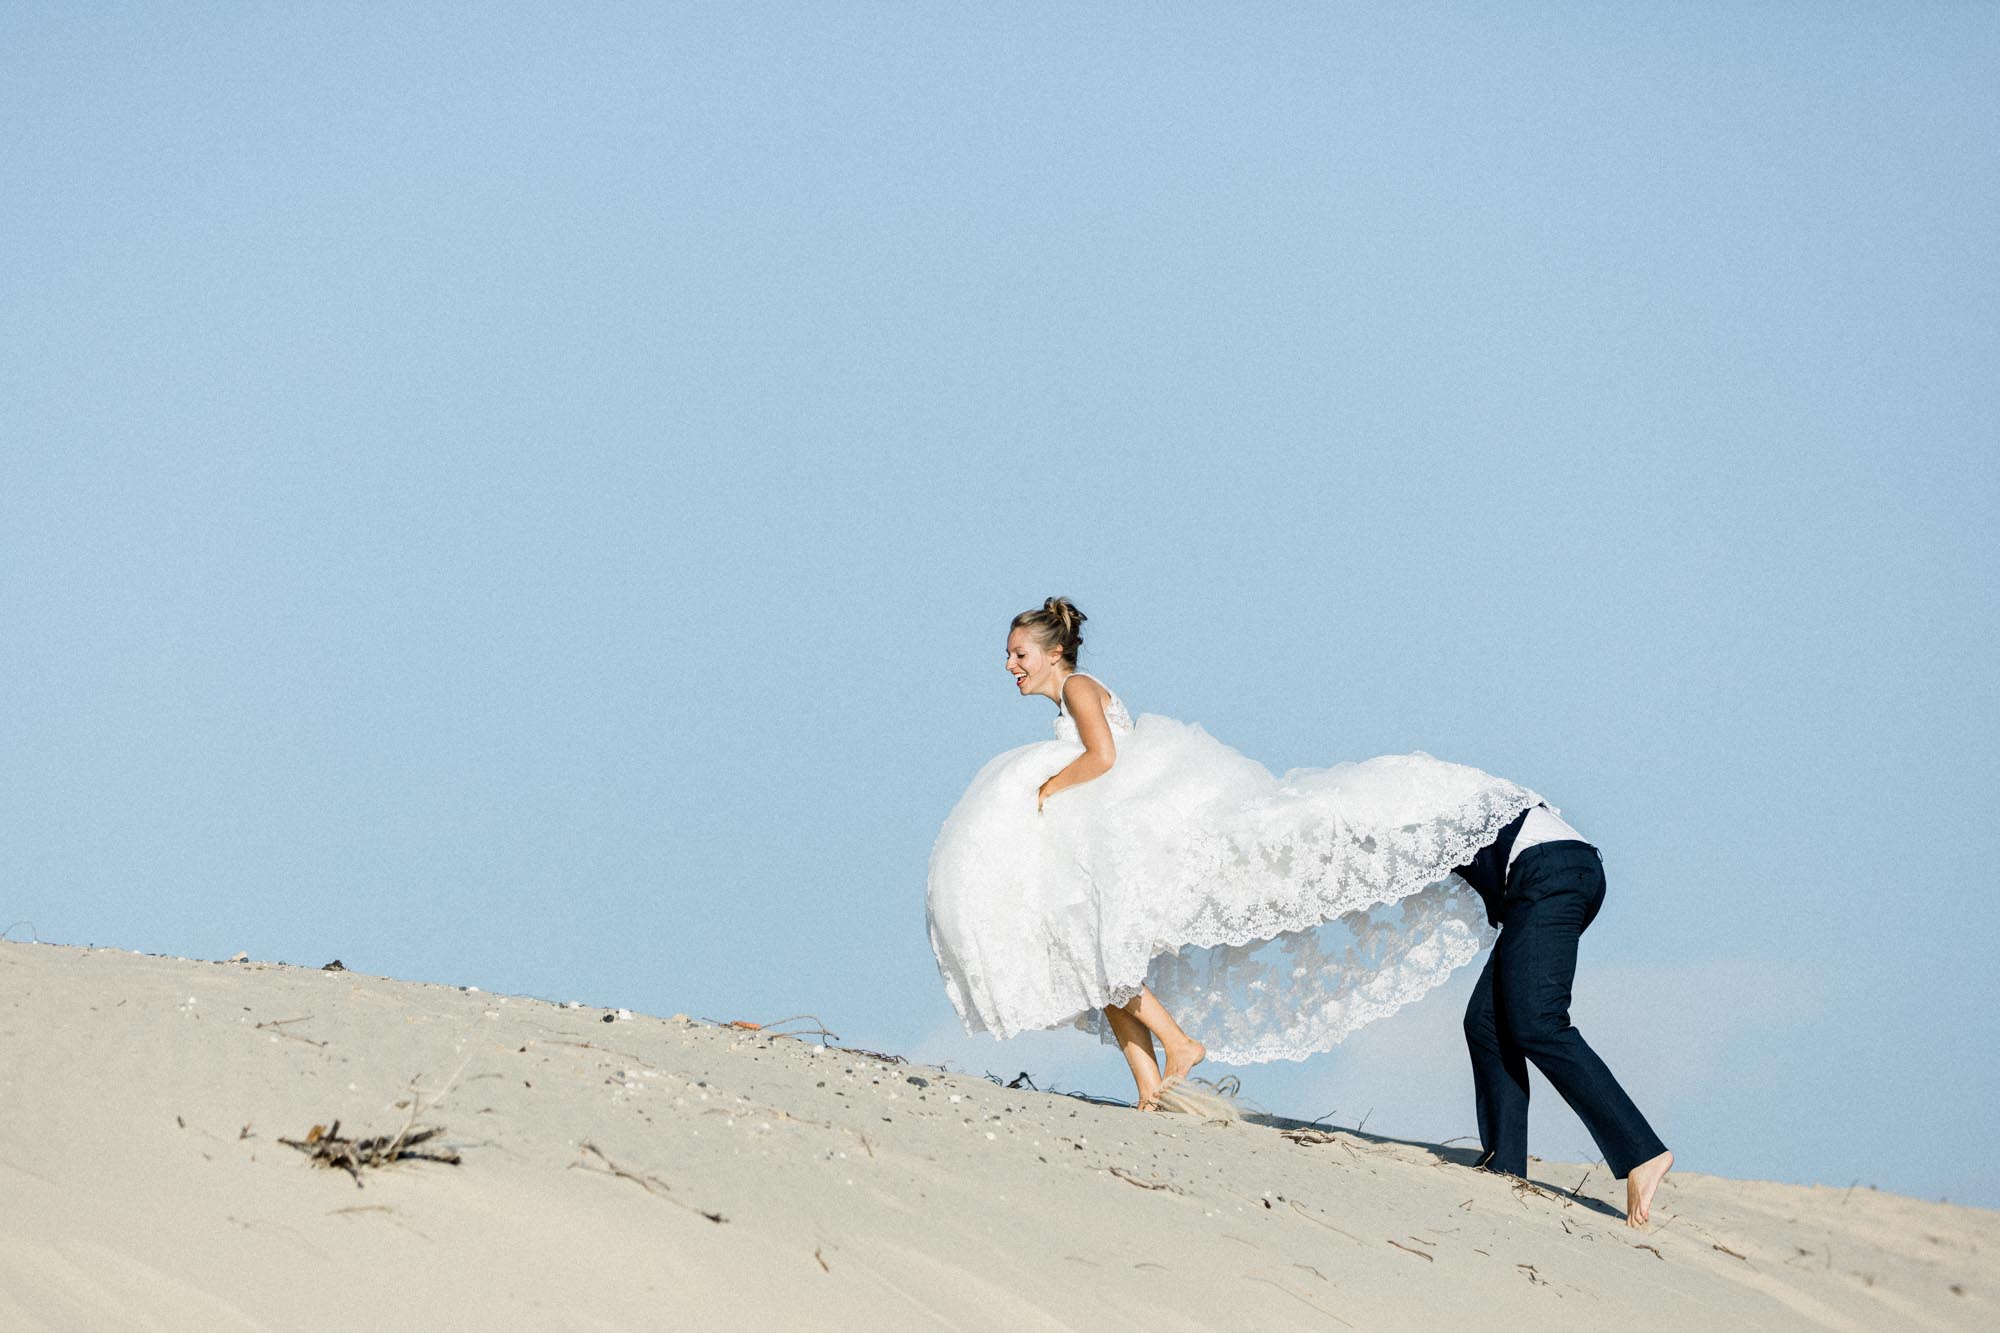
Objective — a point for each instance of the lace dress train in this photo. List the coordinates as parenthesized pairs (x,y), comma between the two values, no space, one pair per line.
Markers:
(1271,915)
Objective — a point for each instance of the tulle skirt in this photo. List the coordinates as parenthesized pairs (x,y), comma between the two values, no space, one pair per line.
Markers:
(1271,915)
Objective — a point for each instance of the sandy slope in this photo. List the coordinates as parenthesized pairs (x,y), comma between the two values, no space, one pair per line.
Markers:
(142,1186)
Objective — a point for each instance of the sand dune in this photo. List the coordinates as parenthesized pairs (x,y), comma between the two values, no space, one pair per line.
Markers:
(659,1173)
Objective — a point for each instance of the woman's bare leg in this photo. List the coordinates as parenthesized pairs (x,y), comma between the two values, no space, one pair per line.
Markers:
(1183,1052)
(1137,1044)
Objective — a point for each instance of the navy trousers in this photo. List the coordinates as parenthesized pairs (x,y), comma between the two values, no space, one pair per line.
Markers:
(1520,1012)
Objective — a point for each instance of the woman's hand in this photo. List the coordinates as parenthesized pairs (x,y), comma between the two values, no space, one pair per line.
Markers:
(1085,703)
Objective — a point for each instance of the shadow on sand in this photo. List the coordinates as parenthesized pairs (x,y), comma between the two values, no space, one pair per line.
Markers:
(1449,1154)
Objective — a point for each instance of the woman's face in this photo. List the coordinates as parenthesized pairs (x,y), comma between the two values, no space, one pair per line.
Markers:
(1032,666)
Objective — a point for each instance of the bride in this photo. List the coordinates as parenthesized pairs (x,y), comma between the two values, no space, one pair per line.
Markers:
(1140,878)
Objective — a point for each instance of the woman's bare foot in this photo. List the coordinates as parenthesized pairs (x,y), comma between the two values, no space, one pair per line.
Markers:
(1639,1186)
(1137,1022)
(1182,1058)
(1147,1079)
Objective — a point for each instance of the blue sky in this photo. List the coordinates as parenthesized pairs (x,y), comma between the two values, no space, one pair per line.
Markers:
(534,499)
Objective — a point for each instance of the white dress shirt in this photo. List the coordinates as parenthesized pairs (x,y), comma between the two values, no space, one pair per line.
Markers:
(1542,825)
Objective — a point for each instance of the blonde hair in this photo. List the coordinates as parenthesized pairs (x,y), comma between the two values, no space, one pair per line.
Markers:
(1058,625)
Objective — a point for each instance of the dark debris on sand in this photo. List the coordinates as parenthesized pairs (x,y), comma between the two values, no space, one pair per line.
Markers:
(326,1147)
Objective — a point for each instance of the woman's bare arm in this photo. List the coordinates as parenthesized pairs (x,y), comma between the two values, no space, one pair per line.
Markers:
(1084,698)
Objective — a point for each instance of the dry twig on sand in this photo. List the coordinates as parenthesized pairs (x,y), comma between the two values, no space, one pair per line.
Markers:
(1308,1138)
(326,1146)
(1297,1296)
(771,1029)
(1322,1222)
(653,1185)
(277,1027)
(1522,1186)
(872,1055)
(818,1029)
(1313,1138)
(1141,1181)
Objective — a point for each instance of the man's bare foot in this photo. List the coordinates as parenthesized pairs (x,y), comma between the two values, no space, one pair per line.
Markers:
(1639,1186)
(1181,1060)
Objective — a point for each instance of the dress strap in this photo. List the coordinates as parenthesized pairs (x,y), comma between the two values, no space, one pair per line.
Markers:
(1061,707)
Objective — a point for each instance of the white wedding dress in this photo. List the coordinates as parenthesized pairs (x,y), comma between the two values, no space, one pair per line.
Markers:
(1272,916)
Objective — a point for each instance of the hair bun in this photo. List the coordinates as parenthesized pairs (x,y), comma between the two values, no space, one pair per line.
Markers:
(1057,625)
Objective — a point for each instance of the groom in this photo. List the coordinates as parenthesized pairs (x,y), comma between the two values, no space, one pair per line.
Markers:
(1542,884)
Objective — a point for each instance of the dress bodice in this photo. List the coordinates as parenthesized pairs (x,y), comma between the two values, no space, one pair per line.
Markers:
(1114,713)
